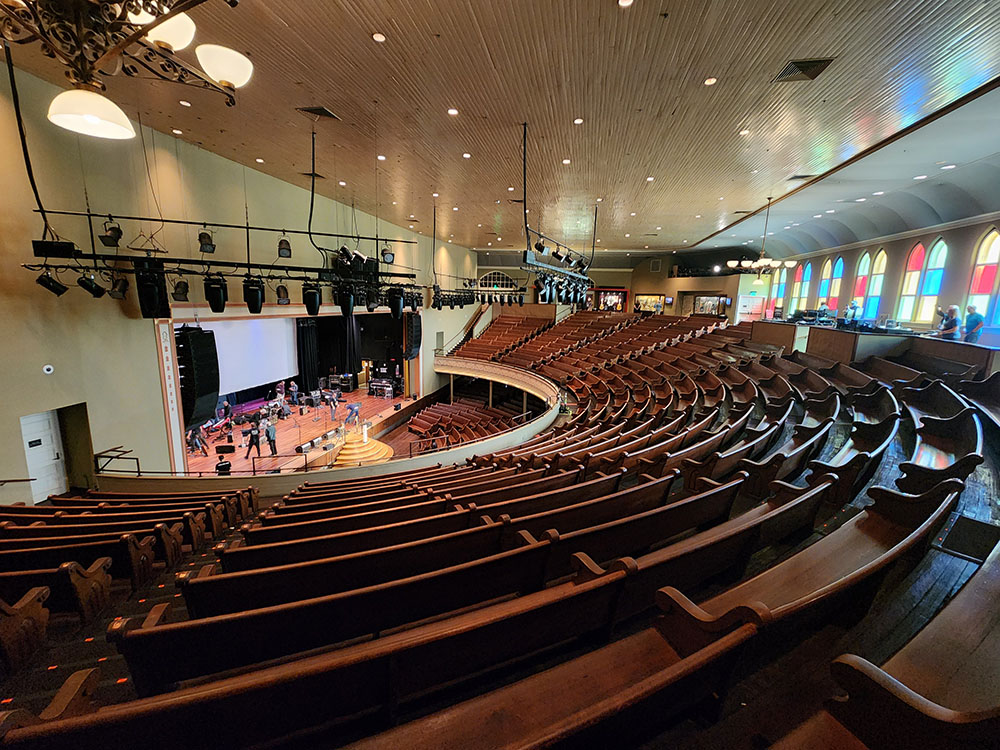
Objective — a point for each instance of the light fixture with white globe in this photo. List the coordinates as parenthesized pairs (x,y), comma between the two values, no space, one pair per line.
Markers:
(226,66)
(90,113)
(174,34)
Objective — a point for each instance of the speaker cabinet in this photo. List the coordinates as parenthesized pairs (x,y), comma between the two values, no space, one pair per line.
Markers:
(224,448)
(151,288)
(198,364)
(413,336)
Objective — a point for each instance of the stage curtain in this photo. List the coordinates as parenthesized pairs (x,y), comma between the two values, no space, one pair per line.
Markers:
(352,345)
(308,355)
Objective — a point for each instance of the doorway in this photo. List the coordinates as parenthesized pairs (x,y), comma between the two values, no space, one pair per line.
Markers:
(43,450)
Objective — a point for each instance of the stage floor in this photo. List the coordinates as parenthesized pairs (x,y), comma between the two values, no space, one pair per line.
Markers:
(293,431)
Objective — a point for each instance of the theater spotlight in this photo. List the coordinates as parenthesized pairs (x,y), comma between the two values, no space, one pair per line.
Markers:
(52,284)
(216,293)
(540,248)
(118,288)
(312,298)
(111,235)
(90,284)
(281,292)
(346,302)
(394,298)
(180,292)
(520,300)
(416,299)
(206,243)
(284,248)
(558,255)
(388,256)
(345,254)
(253,294)
(372,301)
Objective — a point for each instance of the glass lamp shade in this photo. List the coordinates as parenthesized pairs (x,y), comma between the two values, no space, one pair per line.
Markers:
(732,263)
(90,113)
(141,18)
(224,65)
(175,33)
(776,264)
(791,263)
(746,263)
(758,281)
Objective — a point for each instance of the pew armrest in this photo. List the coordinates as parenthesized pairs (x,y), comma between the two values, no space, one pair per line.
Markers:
(911,510)
(692,628)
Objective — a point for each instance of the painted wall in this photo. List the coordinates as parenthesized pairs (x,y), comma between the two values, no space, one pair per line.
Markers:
(103,353)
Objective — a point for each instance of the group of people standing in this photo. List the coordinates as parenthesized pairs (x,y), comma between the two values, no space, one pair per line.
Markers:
(951,328)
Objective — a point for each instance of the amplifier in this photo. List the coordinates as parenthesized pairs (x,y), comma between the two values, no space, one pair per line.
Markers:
(220,449)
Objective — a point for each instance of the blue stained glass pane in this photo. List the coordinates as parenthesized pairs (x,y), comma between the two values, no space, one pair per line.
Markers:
(932,282)
(871,307)
(824,287)
(838,268)
(807,272)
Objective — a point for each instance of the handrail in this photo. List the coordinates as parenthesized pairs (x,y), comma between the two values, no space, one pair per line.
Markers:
(13,481)
(118,453)
(466,329)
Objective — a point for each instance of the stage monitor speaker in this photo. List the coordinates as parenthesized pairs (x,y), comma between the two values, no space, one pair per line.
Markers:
(220,449)
(151,288)
(198,364)
(413,336)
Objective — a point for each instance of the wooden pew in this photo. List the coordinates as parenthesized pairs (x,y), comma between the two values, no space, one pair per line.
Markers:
(788,460)
(891,374)
(985,396)
(858,458)
(131,558)
(721,464)
(51,516)
(940,690)
(245,499)
(945,449)
(23,625)
(192,528)
(72,587)
(231,504)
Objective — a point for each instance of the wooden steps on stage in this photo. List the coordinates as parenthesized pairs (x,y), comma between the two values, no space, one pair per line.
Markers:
(357,452)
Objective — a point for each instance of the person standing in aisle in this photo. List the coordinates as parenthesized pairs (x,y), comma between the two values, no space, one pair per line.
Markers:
(271,433)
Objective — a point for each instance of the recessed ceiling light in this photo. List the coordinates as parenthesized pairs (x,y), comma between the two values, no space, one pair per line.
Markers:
(379,37)
(817,216)
(342,183)
(627,234)
(697,216)
(452,111)
(381,157)
(499,239)
(598,242)
(394,203)
(711,81)
(658,229)
(632,214)
(920,177)
(411,226)
(454,208)
(479,225)
(744,132)
(879,192)
(489,244)
(650,179)
(599,200)
(795,223)
(685,242)
(721,198)
(788,227)
(412,216)
(754,171)
(948,166)
(860,200)
(624,3)
(578,121)
(840,200)
(831,211)
(510,190)
(435,195)
(770,233)
(175,131)
(565,161)
(259,160)
(185,103)
(466,156)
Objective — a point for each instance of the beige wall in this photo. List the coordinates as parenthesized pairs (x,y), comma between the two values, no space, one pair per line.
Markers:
(104,354)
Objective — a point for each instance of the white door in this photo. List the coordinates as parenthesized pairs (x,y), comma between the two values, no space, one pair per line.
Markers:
(44,450)
(750,308)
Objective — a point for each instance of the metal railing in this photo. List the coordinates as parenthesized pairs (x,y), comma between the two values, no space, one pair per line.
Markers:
(518,420)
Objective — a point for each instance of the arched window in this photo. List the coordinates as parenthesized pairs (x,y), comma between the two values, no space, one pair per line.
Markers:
(800,288)
(861,279)
(777,290)
(868,284)
(911,282)
(984,276)
(496,280)
(922,282)
(829,283)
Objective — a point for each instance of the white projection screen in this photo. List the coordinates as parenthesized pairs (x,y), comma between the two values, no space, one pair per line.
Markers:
(253,352)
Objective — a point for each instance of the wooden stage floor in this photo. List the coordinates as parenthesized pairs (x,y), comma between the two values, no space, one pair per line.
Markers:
(291,432)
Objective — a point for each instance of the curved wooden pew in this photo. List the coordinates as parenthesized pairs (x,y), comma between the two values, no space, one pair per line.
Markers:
(985,396)
(72,587)
(23,625)
(214,519)
(131,557)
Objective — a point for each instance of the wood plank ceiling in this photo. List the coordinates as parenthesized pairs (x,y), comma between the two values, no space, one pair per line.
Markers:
(634,75)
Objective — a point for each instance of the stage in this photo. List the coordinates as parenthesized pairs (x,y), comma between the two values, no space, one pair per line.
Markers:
(293,431)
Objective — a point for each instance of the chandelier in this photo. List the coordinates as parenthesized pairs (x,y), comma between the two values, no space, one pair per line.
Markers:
(761,263)
(96,38)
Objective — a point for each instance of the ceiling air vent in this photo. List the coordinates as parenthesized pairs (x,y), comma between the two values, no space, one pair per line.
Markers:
(317,112)
(801,177)
(802,70)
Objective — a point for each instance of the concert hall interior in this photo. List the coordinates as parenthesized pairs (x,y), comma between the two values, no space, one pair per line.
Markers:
(500,374)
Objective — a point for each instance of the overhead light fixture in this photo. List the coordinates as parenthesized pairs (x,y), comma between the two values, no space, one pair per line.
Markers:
(172,35)
(346,299)
(216,293)
(744,132)
(342,183)
(281,294)
(452,111)
(831,210)
(860,200)
(578,121)
(566,161)
(206,243)
(90,113)
(185,103)
(226,66)
(175,131)
(624,3)
(111,235)
(394,298)
(253,294)
(284,248)
(716,269)
(380,157)
(312,298)
(371,302)
(879,192)
(920,177)
(388,256)
(50,282)
(466,155)
(732,263)
(948,166)
(345,253)
(379,37)
(180,292)
(711,81)
(790,263)
(259,160)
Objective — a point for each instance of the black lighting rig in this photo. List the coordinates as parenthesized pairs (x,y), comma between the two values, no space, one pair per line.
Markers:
(355,279)
(470,293)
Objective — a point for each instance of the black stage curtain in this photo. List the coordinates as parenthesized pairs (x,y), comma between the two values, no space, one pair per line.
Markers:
(352,345)
(308,355)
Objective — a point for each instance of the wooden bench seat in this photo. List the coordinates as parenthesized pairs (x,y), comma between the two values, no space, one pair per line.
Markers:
(858,458)
(941,689)
(192,528)
(718,464)
(234,508)
(23,625)
(891,373)
(788,459)
(933,400)
(846,379)
(85,591)
(985,396)
(944,449)
(131,557)
(947,370)
(51,516)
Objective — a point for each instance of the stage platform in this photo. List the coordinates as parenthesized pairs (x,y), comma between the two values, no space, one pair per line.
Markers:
(293,431)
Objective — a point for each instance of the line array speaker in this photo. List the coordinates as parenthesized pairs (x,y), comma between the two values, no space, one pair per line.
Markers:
(413,335)
(198,364)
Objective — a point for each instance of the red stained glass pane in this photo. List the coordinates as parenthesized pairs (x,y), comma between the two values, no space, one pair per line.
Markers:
(798,273)
(982,281)
(916,260)
(861,286)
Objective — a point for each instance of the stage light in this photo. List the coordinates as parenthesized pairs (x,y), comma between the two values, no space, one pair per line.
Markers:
(90,284)
(520,300)
(415,301)
(118,288)
(388,256)
(540,248)
(372,301)
(253,294)
(216,293)
(345,254)
(206,244)
(395,301)
(346,302)
(281,292)
(558,255)
(52,284)
(312,298)
(284,248)
(180,293)
(111,235)
(451,303)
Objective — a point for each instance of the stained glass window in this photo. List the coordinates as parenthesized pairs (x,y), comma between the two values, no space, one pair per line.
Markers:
(931,286)
(824,281)
(800,288)
(984,276)
(861,279)
(874,286)
(911,282)
(778,292)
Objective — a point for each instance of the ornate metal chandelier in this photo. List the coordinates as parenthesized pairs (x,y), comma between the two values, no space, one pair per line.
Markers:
(96,38)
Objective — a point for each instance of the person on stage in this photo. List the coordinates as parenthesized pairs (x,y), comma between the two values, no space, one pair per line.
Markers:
(254,439)
(227,410)
(272,437)
(293,390)
(353,412)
